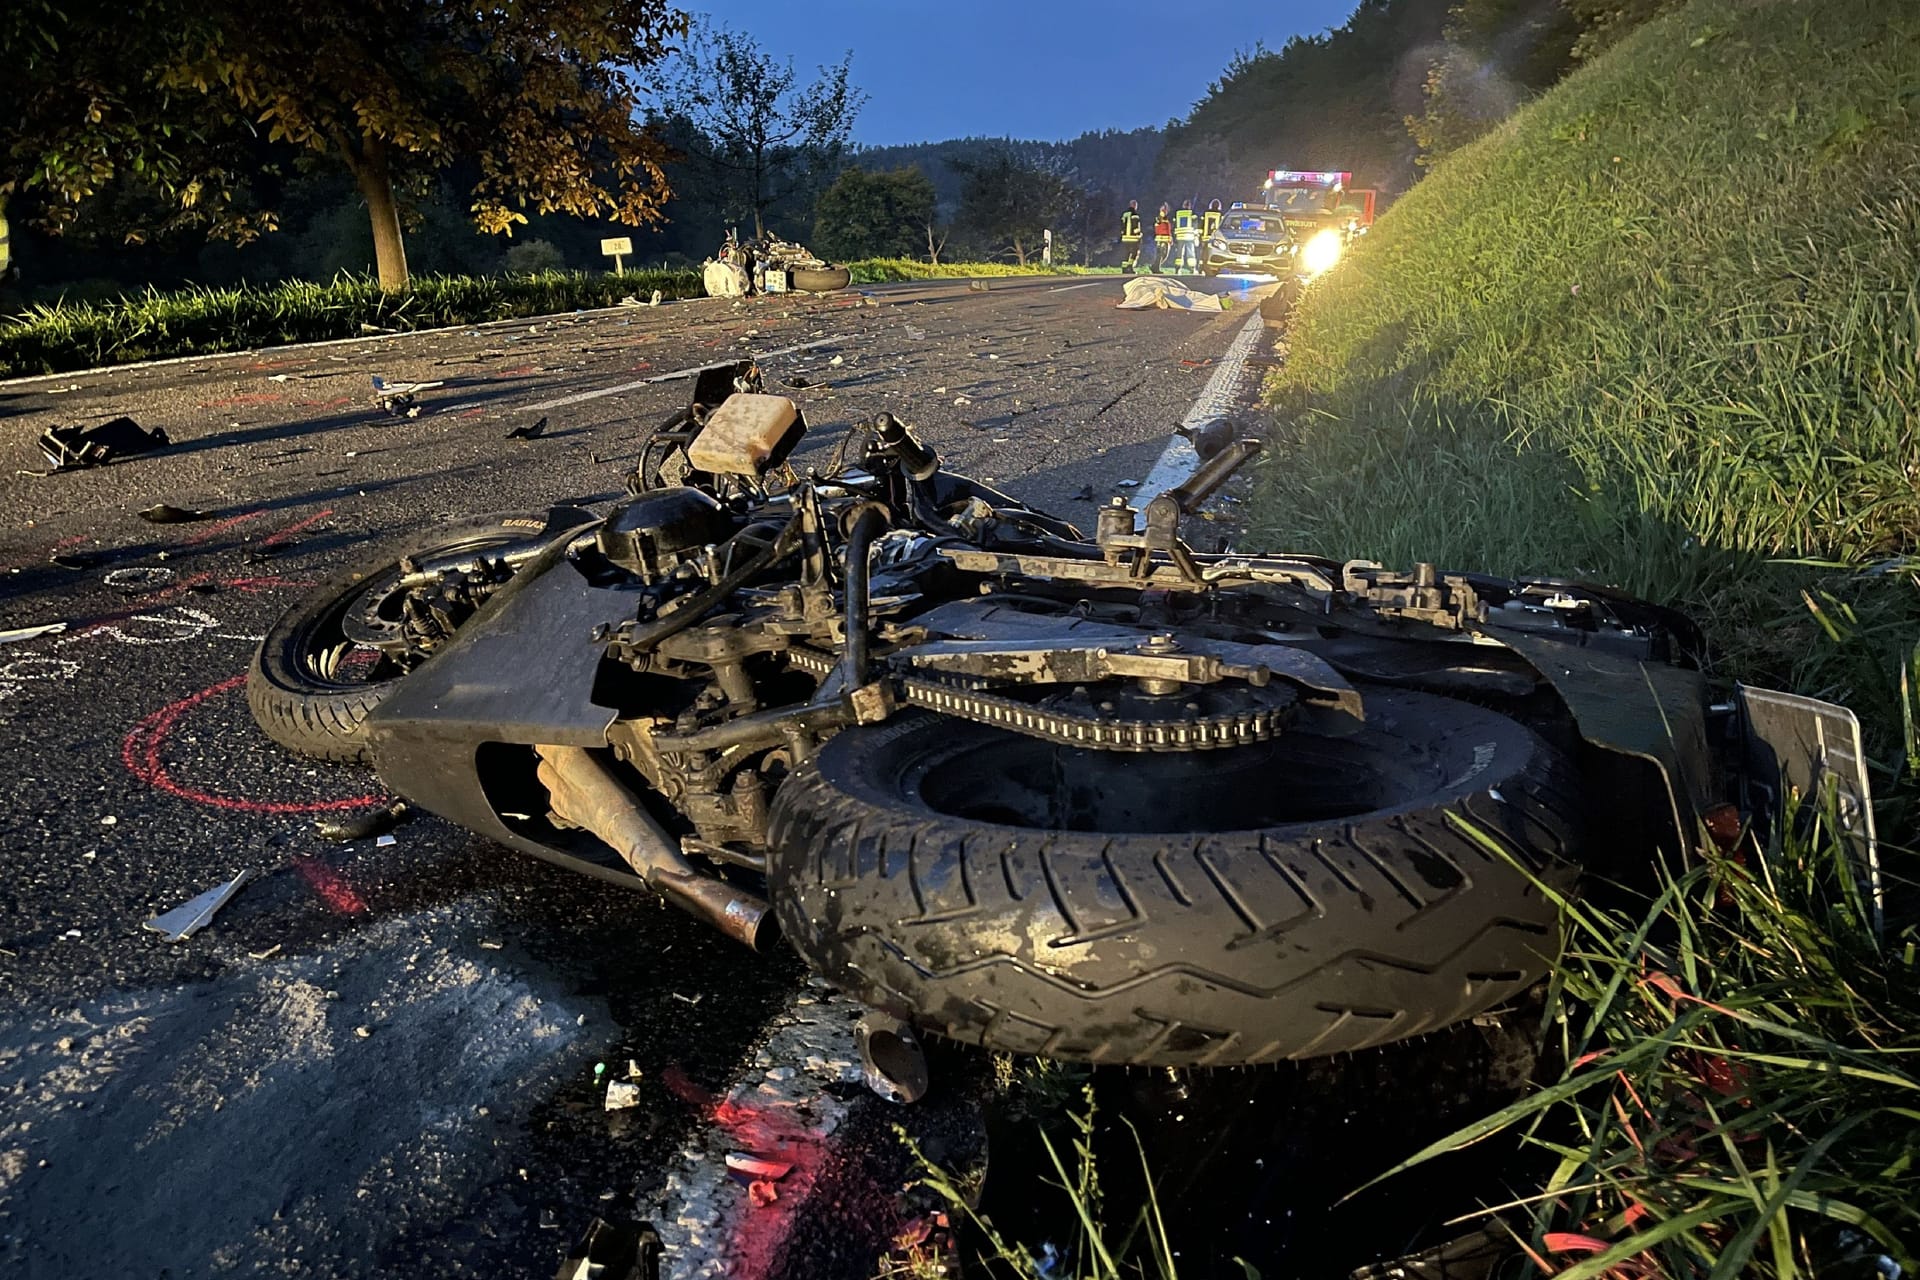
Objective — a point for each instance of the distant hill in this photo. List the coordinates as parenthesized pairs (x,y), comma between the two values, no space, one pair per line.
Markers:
(1109,160)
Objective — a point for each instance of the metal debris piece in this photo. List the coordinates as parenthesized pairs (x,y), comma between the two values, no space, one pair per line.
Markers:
(614,1251)
(528,433)
(366,825)
(167,513)
(72,448)
(196,914)
(397,399)
(891,1059)
(758,1166)
(622,1094)
(31,633)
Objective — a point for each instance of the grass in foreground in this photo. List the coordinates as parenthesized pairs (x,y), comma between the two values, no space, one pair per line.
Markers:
(57,337)
(1742,1088)
(1661,329)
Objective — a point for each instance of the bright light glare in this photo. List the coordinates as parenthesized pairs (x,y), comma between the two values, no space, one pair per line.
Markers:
(1321,252)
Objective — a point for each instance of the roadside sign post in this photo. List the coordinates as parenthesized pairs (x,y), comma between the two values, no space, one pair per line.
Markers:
(1046,247)
(617,248)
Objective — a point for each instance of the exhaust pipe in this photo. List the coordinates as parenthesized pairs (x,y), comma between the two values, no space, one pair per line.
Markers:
(585,793)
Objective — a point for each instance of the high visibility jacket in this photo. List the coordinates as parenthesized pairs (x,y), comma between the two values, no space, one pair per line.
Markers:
(1130,227)
(1163,229)
(1210,223)
(1185,226)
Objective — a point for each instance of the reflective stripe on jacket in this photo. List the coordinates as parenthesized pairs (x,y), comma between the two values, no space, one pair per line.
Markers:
(1129,226)
(1184,226)
(1210,223)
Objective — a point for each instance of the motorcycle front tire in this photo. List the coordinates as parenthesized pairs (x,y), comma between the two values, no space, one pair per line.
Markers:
(1146,946)
(312,713)
(821,279)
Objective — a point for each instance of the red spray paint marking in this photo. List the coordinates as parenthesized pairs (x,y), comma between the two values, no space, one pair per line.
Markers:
(252,397)
(760,1230)
(219,527)
(140,753)
(334,403)
(472,412)
(279,536)
(331,886)
(518,371)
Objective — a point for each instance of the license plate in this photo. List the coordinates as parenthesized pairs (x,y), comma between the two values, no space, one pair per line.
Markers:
(1242,258)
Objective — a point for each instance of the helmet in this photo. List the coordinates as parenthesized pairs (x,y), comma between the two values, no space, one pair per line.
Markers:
(1213,204)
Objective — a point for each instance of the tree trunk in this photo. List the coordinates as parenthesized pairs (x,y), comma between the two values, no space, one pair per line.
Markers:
(933,250)
(1019,252)
(373,175)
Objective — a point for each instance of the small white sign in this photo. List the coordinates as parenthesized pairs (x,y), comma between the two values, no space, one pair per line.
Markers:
(618,247)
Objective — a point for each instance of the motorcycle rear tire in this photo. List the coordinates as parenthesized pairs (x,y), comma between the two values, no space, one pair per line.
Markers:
(821,279)
(1223,948)
(325,719)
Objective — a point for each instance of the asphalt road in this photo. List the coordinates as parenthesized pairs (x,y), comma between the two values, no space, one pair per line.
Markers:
(380,1060)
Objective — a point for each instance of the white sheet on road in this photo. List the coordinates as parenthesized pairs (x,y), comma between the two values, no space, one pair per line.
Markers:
(1160,291)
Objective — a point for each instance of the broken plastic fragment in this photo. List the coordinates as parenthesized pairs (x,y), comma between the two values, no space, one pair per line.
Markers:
(762,1194)
(167,513)
(367,825)
(31,633)
(197,913)
(621,1095)
(758,1166)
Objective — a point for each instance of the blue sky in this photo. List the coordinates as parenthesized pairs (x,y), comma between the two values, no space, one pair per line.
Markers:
(1044,69)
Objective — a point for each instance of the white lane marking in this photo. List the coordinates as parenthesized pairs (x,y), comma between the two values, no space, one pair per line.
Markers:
(780,1104)
(583,396)
(1221,397)
(1067,288)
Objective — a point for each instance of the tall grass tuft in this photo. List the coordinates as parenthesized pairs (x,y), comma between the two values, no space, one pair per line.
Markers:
(1741,1095)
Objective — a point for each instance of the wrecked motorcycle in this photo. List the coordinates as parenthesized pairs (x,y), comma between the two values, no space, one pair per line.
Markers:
(1095,797)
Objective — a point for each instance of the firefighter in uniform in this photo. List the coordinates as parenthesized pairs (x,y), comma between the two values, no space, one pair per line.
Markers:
(1162,239)
(1130,236)
(1210,224)
(1186,239)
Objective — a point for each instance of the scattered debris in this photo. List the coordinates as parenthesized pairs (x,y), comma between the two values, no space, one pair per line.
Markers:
(610,1251)
(397,399)
(1129,484)
(167,513)
(978,286)
(1196,364)
(689,999)
(837,361)
(529,433)
(197,913)
(1085,494)
(622,1095)
(939,391)
(366,825)
(960,400)
(758,1166)
(799,382)
(386,842)
(363,1031)
(66,560)
(1209,437)
(656,299)
(762,1193)
(891,1060)
(72,448)
(31,633)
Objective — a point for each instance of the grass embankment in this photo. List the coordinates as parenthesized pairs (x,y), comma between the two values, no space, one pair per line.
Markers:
(56,337)
(1660,329)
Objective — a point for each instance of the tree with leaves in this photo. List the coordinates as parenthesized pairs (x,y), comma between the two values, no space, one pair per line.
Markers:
(758,131)
(530,95)
(82,106)
(873,215)
(1005,204)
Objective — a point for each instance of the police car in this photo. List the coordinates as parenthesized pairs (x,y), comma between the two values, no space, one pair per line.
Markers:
(1252,239)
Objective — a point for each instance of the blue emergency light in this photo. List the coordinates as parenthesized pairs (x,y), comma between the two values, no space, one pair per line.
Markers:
(1307,178)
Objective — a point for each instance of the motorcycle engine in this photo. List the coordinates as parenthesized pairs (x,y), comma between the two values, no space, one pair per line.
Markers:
(650,535)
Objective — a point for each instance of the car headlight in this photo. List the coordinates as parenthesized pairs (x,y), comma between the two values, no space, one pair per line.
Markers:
(1321,252)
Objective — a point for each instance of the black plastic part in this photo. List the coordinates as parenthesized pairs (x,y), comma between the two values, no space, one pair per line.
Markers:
(429,738)
(642,534)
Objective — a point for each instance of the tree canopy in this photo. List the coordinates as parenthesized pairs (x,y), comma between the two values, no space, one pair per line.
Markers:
(865,215)
(757,130)
(529,94)
(1005,205)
